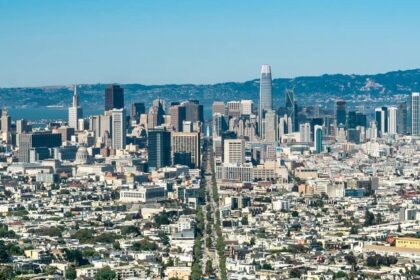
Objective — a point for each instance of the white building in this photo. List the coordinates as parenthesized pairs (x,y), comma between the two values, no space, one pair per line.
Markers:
(305,132)
(118,129)
(234,151)
(392,120)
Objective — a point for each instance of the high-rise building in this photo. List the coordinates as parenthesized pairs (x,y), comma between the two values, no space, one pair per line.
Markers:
(219,107)
(402,118)
(193,111)
(318,139)
(234,151)
(118,129)
(27,141)
(246,107)
(266,94)
(355,119)
(22,126)
(159,148)
(178,115)
(66,132)
(234,109)
(137,109)
(155,117)
(270,126)
(415,107)
(219,124)
(392,120)
(291,108)
(5,120)
(341,112)
(185,148)
(305,132)
(381,117)
(373,130)
(75,110)
(353,135)
(114,97)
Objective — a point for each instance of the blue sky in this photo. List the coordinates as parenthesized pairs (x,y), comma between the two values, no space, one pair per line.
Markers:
(51,42)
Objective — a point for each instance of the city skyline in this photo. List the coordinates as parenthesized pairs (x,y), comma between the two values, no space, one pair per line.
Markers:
(56,43)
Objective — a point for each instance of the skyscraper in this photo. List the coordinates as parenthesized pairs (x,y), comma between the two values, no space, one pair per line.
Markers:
(246,107)
(185,148)
(137,109)
(415,104)
(219,107)
(305,132)
(392,120)
(114,97)
(193,110)
(159,148)
(381,117)
(5,120)
(155,117)
(75,111)
(234,151)
(291,108)
(355,119)
(27,141)
(402,118)
(178,115)
(341,113)
(270,126)
(266,94)
(234,109)
(118,129)
(318,139)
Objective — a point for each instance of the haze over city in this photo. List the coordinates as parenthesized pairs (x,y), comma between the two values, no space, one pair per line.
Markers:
(159,42)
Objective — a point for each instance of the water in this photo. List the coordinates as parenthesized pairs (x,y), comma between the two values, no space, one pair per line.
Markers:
(47,113)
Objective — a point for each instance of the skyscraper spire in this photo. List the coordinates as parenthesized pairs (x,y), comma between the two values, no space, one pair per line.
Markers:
(75,111)
(75,97)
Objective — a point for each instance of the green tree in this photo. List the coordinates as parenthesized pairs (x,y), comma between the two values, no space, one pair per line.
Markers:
(267,266)
(209,267)
(105,273)
(295,273)
(84,235)
(6,273)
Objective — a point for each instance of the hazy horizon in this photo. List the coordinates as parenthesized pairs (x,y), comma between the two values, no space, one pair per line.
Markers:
(188,42)
(198,84)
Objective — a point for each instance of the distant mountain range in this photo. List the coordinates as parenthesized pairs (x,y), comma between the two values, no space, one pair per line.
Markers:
(307,90)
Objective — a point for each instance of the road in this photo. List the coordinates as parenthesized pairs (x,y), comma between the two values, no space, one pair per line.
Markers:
(210,254)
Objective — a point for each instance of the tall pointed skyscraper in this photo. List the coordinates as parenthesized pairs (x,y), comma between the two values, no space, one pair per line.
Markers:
(266,94)
(75,111)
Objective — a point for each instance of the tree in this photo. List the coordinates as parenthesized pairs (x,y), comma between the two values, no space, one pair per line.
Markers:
(369,218)
(252,241)
(295,273)
(354,230)
(162,219)
(267,266)
(84,235)
(105,273)
(130,230)
(144,245)
(209,267)
(340,274)
(244,220)
(75,256)
(116,245)
(6,273)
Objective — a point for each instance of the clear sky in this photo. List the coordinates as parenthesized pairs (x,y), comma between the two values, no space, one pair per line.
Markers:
(52,42)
